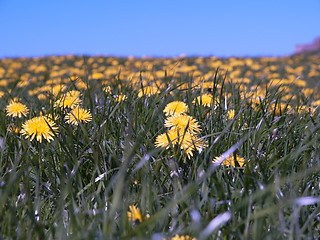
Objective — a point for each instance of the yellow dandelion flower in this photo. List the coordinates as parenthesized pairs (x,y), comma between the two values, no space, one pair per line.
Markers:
(16,109)
(209,85)
(23,83)
(231,114)
(56,89)
(97,76)
(183,123)
(4,82)
(1,94)
(176,107)
(78,114)
(134,214)
(13,129)
(69,100)
(278,108)
(205,100)
(15,99)
(42,96)
(81,85)
(107,89)
(185,237)
(39,127)
(299,83)
(307,91)
(197,144)
(74,77)
(120,97)
(316,103)
(187,141)
(174,137)
(230,161)
(148,91)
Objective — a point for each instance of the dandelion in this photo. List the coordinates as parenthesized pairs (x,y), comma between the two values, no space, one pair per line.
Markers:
(185,140)
(23,83)
(205,100)
(299,83)
(182,123)
(120,97)
(97,76)
(185,237)
(81,85)
(316,103)
(209,85)
(78,114)
(69,100)
(176,107)
(13,129)
(231,114)
(134,214)
(16,109)
(39,127)
(42,96)
(174,137)
(107,89)
(148,91)
(278,108)
(197,144)
(230,161)
(56,89)
(4,82)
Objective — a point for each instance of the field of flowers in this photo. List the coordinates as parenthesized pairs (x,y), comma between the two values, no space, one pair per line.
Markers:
(160,148)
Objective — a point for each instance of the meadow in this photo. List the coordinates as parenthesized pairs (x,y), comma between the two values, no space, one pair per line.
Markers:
(160,148)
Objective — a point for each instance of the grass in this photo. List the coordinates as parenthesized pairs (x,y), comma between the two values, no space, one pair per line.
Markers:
(81,184)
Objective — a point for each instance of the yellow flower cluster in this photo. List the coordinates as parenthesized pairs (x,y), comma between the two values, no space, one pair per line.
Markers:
(44,127)
(182,130)
(51,79)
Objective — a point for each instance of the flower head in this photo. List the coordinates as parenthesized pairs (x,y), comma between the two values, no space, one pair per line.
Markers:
(78,114)
(205,100)
(174,137)
(185,237)
(69,100)
(185,140)
(107,89)
(183,123)
(278,108)
(231,114)
(230,161)
(148,91)
(176,107)
(39,127)
(13,129)
(134,214)
(55,89)
(197,144)
(16,109)
(120,97)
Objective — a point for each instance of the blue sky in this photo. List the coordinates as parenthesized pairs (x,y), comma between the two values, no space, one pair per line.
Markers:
(156,28)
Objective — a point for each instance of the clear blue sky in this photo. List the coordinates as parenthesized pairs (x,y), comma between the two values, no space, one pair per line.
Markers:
(156,28)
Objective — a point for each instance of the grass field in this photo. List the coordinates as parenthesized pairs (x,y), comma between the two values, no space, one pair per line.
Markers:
(152,148)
